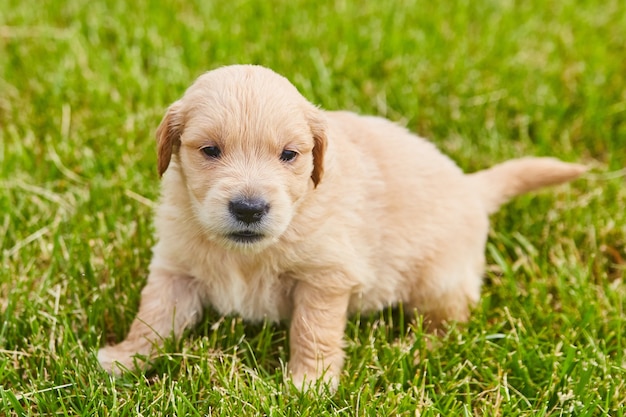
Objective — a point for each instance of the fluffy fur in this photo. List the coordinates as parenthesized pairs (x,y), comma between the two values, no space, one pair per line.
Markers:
(365,215)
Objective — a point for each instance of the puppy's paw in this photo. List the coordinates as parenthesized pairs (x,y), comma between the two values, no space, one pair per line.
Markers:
(309,380)
(116,361)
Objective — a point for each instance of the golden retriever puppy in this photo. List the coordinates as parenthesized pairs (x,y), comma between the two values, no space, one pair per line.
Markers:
(274,209)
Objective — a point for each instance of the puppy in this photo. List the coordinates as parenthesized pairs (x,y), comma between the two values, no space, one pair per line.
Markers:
(274,209)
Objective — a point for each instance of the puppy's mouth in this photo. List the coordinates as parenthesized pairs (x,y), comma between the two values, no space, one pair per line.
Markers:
(245,236)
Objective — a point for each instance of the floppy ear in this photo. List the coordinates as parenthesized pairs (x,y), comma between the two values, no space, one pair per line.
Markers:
(168,136)
(318,129)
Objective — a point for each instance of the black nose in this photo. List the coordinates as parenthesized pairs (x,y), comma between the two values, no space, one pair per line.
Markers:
(248,210)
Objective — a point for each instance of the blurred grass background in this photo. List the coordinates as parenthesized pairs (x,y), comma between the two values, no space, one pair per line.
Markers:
(83,85)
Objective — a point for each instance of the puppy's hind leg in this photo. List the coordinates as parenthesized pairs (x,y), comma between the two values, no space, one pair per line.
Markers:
(446,293)
(169,304)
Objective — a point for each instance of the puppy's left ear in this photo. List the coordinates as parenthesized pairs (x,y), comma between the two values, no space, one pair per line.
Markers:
(168,136)
(317,124)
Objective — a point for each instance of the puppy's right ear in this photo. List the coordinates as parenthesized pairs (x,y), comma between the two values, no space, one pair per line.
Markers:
(168,136)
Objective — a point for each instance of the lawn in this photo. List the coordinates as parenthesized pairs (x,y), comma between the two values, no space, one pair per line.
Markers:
(83,85)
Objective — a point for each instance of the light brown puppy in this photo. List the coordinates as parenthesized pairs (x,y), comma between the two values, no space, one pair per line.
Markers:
(274,209)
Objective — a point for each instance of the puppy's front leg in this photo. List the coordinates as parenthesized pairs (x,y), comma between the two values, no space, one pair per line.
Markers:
(316,334)
(169,304)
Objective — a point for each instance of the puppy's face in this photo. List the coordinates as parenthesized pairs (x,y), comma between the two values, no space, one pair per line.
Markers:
(250,148)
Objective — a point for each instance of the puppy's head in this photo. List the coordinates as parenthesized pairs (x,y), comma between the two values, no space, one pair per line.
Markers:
(250,148)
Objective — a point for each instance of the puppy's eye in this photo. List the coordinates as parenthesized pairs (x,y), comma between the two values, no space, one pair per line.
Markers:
(212,151)
(288,155)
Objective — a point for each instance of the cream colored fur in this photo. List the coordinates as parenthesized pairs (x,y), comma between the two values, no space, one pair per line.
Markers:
(367,215)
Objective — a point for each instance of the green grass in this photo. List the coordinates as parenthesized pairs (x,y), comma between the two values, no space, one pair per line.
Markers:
(83,85)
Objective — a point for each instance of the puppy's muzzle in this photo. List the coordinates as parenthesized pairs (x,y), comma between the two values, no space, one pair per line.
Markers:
(248,210)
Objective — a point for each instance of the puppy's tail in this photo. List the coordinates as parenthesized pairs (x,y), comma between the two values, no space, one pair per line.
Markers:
(504,181)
